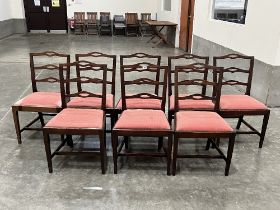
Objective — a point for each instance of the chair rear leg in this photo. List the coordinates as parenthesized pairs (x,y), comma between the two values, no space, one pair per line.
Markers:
(229,153)
(264,127)
(41,118)
(239,122)
(48,150)
(115,152)
(126,142)
(102,139)
(208,144)
(160,143)
(69,140)
(175,151)
(170,114)
(16,122)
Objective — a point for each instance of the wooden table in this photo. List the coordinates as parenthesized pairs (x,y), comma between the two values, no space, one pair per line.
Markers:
(157,32)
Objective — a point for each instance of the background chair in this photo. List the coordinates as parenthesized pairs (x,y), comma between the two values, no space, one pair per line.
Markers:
(238,105)
(145,28)
(105,23)
(78,121)
(110,61)
(142,122)
(200,124)
(181,60)
(119,25)
(92,25)
(47,102)
(79,23)
(132,24)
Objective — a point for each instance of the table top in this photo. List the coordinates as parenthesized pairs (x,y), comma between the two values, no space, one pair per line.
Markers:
(161,23)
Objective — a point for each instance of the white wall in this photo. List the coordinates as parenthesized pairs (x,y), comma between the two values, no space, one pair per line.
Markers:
(172,16)
(118,7)
(260,36)
(5,10)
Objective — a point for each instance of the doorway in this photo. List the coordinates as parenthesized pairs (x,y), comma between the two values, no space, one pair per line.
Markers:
(46,15)
(186,25)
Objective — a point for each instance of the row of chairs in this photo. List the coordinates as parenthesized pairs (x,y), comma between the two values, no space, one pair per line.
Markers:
(128,25)
(197,113)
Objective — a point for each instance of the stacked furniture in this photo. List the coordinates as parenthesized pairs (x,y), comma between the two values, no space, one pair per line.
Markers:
(119,25)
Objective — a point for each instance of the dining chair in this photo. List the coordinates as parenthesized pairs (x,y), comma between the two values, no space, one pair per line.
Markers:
(92,25)
(79,121)
(79,23)
(191,123)
(110,61)
(132,24)
(119,25)
(145,28)
(185,59)
(43,100)
(142,122)
(241,105)
(105,23)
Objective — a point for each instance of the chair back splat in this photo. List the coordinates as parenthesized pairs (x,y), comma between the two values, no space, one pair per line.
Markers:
(88,78)
(143,69)
(183,72)
(232,64)
(52,66)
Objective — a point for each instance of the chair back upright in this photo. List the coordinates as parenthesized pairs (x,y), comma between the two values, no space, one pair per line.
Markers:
(234,70)
(140,75)
(92,17)
(85,77)
(131,18)
(142,58)
(44,68)
(184,78)
(101,58)
(181,60)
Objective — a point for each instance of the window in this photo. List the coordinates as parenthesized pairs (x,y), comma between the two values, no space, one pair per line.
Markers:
(166,5)
(230,10)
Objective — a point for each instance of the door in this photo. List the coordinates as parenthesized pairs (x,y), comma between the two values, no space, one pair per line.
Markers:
(186,24)
(46,15)
(36,15)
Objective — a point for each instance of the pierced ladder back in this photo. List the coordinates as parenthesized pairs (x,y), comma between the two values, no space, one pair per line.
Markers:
(87,68)
(111,62)
(183,72)
(148,70)
(92,17)
(190,58)
(236,60)
(50,65)
(143,59)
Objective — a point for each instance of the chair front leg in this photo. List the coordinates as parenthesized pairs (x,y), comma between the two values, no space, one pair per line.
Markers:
(208,144)
(229,153)
(239,122)
(169,151)
(48,150)
(41,118)
(115,152)
(160,143)
(175,151)
(102,139)
(16,122)
(264,127)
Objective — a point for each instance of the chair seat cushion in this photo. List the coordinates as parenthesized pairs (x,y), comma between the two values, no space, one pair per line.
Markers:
(140,119)
(119,25)
(91,102)
(41,99)
(192,104)
(240,102)
(140,103)
(201,121)
(77,118)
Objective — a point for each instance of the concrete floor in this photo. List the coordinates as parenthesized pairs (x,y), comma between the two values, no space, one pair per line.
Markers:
(77,183)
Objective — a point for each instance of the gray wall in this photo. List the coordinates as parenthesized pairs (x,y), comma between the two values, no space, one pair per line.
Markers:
(266,78)
(12,26)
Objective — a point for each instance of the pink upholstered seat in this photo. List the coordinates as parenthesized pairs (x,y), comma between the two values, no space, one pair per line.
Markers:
(192,104)
(140,103)
(41,99)
(201,121)
(139,119)
(240,102)
(77,118)
(91,102)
